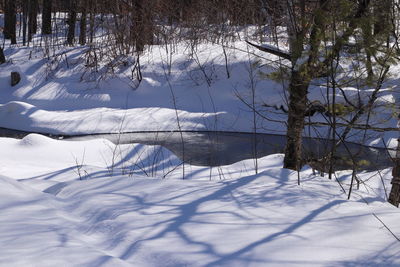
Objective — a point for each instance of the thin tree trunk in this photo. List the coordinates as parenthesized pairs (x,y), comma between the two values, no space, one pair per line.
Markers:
(2,57)
(71,23)
(32,16)
(92,17)
(83,22)
(367,38)
(394,197)
(137,32)
(7,16)
(25,7)
(10,20)
(46,17)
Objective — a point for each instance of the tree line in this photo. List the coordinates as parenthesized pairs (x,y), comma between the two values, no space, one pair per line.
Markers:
(136,20)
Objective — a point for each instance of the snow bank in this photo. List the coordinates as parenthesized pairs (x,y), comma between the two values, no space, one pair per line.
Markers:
(26,117)
(44,162)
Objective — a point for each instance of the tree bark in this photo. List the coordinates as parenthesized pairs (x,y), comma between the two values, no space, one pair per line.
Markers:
(296,114)
(46,17)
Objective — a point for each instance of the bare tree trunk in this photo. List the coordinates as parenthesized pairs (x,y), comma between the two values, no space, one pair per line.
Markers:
(141,32)
(32,16)
(367,38)
(2,57)
(92,17)
(394,197)
(10,20)
(83,23)
(46,17)
(137,33)
(25,7)
(71,22)
(296,114)
(7,17)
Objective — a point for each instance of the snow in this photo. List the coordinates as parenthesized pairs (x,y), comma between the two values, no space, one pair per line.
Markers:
(52,216)
(23,116)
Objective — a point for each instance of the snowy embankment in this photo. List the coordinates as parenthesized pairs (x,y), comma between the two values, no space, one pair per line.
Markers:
(63,204)
(61,99)
(26,117)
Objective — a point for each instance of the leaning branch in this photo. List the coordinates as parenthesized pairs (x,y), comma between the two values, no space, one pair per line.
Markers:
(272,50)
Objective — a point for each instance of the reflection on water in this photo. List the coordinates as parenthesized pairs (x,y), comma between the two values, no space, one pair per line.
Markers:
(223,148)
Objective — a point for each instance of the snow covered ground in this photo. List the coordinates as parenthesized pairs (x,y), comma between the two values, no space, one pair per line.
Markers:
(62,205)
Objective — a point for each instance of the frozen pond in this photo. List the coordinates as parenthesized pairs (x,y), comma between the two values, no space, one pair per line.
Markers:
(223,148)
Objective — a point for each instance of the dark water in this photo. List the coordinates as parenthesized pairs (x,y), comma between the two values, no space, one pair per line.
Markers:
(223,148)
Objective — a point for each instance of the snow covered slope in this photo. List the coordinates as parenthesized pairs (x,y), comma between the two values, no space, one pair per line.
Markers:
(49,215)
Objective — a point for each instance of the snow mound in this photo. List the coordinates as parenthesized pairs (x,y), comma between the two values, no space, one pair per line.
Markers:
(35,140)
(12,188)
(15,107)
